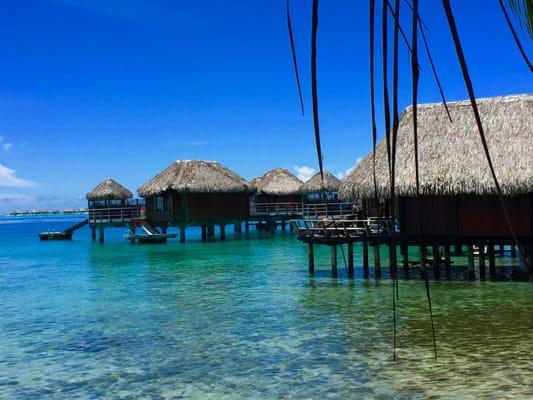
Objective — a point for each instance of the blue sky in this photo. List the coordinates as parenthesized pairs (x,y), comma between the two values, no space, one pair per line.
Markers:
(98,88)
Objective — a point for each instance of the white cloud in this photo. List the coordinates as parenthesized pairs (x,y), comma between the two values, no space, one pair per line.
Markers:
(5,146)
(6,198)
(304,173)
(9,178)
(348,171)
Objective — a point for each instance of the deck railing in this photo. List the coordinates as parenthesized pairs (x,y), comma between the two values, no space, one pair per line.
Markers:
(342,228)
(306,210)
(116,214)
(275,209)
(316,210)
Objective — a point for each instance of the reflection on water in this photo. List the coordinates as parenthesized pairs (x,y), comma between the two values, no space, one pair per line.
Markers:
(242,319)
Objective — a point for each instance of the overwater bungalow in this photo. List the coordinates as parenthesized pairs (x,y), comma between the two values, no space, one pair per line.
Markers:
(108,193)
(276,196)
(196,193)
(320,196)
(110,205)
(458,201)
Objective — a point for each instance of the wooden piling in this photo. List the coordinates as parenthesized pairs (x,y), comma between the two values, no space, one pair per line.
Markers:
(182,234)
(204,232)
(436,261)
(492,262)
(393,265)
(377,261)
(350,260)
(501,249)
(334,261)
(283,225)
(365,259)
(447,260)
(247,227)
(132,232)
(482,266)
(405,261)
(311,254)
(210,231)
(237,228)
(222,232)
(471,266)
(93,234)
(513,251)
(101,234)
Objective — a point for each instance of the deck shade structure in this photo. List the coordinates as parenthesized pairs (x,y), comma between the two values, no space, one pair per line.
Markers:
(108,193)
(196,192)
(458,198)
(318,189)
(277,186)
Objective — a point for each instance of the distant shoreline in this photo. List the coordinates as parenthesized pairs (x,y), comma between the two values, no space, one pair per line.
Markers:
(45,213)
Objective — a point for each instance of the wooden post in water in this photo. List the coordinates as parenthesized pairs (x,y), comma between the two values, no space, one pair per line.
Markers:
(492,261)
(436,261)
(501,249)
(377,261)
(393,265)
(283,225)
(210,231)
(513,251)
(132,232)
(471,266)
(101,234)
(222,232)
(237,228)
(204,232)
(447,260)
(247,227)
(350,260)
(311,258)
(405,254)
(182,234)
(334,261)
(523,250)
(365,259)
(93,233)
(482,267)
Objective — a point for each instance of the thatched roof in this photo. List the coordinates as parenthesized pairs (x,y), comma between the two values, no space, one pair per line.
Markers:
(330,183)
(278,182)
(451,156)
(195,177)
(109,189)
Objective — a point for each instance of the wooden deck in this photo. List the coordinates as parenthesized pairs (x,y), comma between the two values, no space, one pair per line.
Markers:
(331,231)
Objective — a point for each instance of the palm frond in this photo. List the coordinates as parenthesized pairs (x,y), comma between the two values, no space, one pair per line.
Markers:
(524,11)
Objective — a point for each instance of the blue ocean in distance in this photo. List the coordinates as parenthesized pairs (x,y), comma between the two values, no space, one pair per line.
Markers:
(242,319)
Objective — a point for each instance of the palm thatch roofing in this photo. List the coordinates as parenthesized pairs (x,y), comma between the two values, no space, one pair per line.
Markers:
(316,184)
(109,189)
(278,182)
(451,156)
(195,176)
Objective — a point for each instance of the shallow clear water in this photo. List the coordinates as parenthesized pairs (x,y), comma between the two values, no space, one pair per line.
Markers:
(242,319)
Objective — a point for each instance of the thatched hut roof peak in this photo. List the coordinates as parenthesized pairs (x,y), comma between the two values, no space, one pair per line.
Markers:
(277,182)
(109,189)
(195,176)
(316,184)
(451,156)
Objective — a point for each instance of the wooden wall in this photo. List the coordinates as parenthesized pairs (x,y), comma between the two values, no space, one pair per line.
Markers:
(467,216)
(199,208)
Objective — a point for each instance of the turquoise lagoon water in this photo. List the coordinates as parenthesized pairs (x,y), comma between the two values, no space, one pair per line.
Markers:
(242,319)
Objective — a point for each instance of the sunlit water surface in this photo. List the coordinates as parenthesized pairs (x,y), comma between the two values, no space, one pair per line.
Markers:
(242,319)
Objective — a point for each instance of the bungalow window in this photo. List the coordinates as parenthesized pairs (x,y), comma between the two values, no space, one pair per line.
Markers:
(159,203)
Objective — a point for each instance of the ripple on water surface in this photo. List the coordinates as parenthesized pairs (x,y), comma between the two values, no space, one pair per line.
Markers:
(242,319)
